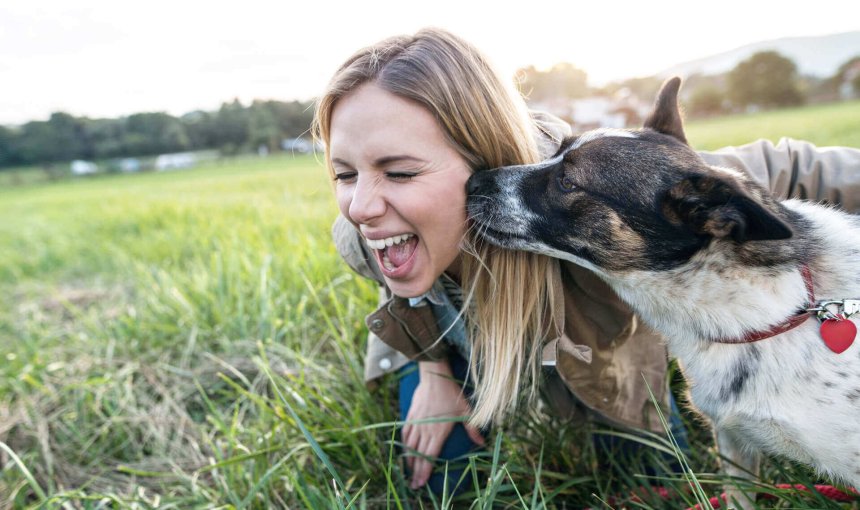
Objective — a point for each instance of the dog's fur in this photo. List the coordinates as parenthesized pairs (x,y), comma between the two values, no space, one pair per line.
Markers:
(702,253)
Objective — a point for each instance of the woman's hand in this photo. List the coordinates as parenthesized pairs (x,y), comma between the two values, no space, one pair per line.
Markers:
(436,396)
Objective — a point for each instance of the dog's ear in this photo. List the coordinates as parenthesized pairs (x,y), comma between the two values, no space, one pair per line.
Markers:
(717,207)
(666,117)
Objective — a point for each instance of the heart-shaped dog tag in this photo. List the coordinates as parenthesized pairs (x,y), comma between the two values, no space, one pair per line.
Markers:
(838,334)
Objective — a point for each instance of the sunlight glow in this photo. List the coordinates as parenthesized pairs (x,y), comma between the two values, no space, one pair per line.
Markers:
(101,58)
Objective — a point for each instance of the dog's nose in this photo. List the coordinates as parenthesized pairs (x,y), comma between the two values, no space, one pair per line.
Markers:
(473,184)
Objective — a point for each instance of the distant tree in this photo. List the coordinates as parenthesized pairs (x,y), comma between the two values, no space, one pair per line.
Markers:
(643,88)
(849,72)
(765,79)
(106,137)
(61,138)
(294,118)
(31,142)
(69,138)
(845,68)
(153,133)
(706,99)
(7,151)
(174,138)
(231,129)
(829,88)
(232,124)
(562,81)
(263,126)
(201,129)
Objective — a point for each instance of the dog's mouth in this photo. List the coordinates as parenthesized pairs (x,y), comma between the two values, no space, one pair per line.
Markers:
(490,223)
(502,238)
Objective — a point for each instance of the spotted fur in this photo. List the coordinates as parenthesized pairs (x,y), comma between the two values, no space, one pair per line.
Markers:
(702,254)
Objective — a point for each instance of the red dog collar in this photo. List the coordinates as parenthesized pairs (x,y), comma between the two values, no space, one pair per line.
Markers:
(792,322)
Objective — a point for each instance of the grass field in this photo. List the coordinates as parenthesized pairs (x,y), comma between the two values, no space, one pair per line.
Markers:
(192,340)
(826,124)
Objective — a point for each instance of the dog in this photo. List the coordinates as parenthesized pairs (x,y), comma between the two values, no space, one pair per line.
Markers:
(753,296)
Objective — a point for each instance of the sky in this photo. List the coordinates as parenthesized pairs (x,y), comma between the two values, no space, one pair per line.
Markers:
(111,58)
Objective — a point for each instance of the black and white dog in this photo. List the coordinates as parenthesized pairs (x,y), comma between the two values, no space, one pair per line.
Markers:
(754,296)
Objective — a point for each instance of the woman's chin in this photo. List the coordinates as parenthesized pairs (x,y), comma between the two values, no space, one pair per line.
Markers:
(410,289)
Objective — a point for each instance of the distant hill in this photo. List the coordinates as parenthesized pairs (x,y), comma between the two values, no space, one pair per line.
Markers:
(818,56)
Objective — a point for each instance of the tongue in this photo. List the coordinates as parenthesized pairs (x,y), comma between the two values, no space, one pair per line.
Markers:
(400,253)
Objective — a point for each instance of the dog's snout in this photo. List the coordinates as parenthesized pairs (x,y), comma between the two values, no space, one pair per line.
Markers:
(474,184)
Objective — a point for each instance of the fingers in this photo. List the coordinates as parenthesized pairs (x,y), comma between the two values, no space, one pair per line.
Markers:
(423,443)
(410,442)
(421,473)
(405,434)
(430,446)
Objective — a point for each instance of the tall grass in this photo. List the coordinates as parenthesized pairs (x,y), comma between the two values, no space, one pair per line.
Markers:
(192,340)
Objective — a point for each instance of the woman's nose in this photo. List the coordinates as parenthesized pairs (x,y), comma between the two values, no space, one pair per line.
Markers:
(367,202)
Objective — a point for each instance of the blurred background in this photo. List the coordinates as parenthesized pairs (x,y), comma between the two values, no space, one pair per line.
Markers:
(115,86)
(176,328)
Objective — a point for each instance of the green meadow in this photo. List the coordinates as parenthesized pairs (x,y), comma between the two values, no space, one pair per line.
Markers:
(190,339)
(823,125)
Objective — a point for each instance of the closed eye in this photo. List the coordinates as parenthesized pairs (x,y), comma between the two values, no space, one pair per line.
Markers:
(344,176)
(400,176)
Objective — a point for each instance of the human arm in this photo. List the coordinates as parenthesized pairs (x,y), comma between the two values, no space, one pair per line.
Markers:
(798,169)
(438,395)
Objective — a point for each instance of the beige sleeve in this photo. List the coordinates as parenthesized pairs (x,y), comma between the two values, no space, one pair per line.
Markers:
(797,169)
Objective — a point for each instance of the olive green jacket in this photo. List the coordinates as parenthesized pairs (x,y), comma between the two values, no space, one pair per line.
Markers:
(605,351)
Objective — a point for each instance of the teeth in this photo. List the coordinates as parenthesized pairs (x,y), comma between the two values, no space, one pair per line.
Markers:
(387,262)
(381,244)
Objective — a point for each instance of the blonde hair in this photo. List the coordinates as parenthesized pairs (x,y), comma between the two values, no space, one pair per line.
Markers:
(488,124)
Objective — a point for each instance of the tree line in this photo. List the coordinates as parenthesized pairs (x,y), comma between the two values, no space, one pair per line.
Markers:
(765,80)
(231,129)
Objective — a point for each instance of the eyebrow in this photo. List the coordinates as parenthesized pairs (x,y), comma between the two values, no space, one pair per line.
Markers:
(385,160)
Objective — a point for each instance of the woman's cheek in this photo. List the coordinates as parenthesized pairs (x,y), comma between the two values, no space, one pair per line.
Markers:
(343,199)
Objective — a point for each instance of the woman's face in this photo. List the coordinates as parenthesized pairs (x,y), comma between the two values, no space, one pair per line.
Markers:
(401,183)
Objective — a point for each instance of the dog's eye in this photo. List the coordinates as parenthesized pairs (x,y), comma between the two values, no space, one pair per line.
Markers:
(566,183)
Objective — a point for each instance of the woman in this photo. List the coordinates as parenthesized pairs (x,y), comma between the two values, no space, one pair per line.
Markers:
(405,122)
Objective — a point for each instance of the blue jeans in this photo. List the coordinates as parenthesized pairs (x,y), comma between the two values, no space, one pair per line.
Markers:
(458,446)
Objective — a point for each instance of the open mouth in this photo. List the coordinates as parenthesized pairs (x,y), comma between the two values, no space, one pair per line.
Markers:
(395,255)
